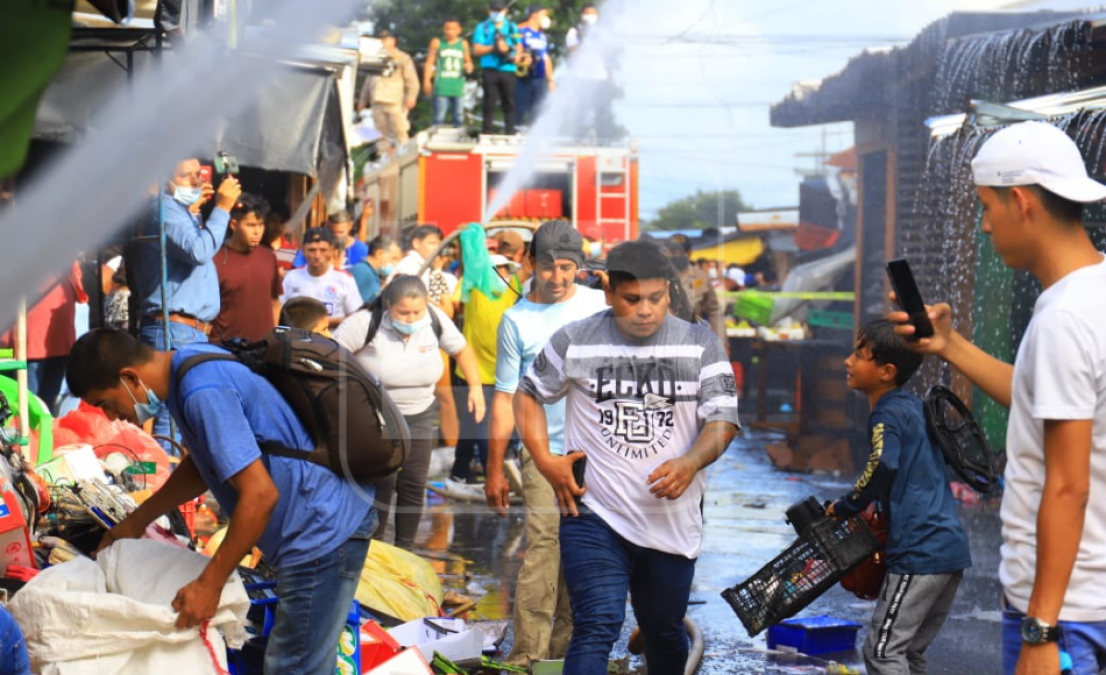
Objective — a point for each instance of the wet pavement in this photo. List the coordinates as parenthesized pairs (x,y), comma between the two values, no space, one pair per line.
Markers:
(479,554)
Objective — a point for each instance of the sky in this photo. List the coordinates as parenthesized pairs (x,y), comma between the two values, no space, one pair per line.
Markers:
(699,76)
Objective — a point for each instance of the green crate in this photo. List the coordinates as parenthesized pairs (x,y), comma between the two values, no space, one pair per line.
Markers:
(756,307)
(824,318)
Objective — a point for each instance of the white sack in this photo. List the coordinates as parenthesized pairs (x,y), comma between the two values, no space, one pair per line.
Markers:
(115,616)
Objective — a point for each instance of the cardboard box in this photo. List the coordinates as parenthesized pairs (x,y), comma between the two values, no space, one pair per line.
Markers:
(407,662)
(15,536)
(377,645)
(548,667)
(72,463)
(448,637)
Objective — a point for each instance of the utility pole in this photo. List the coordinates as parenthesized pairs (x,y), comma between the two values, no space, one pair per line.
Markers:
(820,156)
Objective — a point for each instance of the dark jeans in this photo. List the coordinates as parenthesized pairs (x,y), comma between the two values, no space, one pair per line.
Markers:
(315,599)
(499,85)
(44,379)
(473,443)
(600,567)
(530,94)
(409,484)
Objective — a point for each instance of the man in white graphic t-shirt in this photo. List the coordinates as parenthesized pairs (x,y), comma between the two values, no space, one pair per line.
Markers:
(334,288)
(1032,184)
(650,402)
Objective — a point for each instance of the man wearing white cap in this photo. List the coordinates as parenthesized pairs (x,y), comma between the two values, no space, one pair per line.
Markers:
(1032,184)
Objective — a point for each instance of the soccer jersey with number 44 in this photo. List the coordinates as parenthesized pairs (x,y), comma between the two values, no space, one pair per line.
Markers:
(631,405)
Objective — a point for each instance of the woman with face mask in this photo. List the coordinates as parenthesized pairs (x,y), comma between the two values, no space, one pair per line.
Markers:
(403,353)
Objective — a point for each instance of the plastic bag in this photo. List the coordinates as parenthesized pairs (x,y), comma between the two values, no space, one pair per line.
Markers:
(88,424)
(399,584)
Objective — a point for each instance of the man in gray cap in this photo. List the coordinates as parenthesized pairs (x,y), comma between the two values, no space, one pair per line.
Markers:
(1032,183)
(542,617)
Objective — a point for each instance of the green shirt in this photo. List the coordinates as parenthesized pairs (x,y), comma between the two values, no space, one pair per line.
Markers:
(449,71)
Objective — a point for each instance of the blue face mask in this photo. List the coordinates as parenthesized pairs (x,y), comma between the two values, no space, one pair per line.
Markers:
(387,270)
(186,195)
(149,409)
(405,328)
(499,17)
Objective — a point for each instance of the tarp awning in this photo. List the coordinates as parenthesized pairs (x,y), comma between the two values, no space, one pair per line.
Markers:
(295,126)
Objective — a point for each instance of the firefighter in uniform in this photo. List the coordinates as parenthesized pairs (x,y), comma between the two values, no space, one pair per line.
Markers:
(697,288)
(393,93)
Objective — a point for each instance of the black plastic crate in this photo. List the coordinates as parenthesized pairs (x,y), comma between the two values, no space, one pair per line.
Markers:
(801,573)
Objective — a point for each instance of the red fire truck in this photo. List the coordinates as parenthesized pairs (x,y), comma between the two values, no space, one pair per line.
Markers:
(447,179)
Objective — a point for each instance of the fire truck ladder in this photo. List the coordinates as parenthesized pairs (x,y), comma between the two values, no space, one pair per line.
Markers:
(610,172)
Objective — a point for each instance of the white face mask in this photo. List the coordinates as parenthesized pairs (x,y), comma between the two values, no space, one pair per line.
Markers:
(545,22)
(589,19)
(186,195)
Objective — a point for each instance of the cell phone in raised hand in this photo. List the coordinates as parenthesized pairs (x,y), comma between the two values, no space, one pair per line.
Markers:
(909,298)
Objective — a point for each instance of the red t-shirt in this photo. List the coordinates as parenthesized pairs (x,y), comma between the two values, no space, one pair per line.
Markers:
(248,284)
(50,328)
(286,254)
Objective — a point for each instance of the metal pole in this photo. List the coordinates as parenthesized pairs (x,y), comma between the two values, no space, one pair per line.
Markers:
(21,377)
(166,337)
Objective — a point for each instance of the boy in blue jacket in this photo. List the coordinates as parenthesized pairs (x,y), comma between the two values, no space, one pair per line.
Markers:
(927,548)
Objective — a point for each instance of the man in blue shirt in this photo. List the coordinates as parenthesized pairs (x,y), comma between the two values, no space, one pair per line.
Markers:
(538,79)
(310,523)
(192,292)
(498,44)
(371,273)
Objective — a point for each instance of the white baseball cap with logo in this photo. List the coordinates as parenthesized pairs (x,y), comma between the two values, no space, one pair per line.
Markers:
(1036,153)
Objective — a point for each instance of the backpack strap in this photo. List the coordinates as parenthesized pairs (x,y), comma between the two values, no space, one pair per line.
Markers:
(376,312)
(192,361)
(435,322)
(268,447)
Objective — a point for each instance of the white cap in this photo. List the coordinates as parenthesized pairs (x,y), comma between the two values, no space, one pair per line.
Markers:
(499,260)
(1036,153)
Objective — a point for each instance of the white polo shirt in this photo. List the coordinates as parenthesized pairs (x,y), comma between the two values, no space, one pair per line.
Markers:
(407,369)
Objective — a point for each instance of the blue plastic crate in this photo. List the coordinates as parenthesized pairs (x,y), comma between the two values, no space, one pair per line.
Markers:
(814,635)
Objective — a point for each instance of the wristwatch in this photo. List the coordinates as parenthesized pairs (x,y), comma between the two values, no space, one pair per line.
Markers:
(1037,632)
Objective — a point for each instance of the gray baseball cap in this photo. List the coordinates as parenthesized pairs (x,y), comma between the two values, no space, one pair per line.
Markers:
(558,239)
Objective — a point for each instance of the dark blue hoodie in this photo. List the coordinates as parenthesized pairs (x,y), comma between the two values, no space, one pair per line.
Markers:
(906,473)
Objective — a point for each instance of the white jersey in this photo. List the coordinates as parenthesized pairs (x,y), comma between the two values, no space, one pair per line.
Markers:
(335,289)
(631,406)
(1059,374)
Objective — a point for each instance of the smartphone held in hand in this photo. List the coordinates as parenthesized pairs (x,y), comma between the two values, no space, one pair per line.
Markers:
(909,298)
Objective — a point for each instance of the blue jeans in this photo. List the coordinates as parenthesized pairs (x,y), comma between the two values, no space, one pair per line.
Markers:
(44,379)
(1085,642)
(315,598)
(152,333)
(600,567)
(13,649)
(450,104)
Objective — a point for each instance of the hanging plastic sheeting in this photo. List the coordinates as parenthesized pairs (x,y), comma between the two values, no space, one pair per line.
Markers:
(479,272)
(142,132)
(399,583)
(113,616)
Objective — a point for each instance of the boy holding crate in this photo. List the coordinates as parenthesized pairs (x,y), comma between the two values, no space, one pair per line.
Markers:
(927,548)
